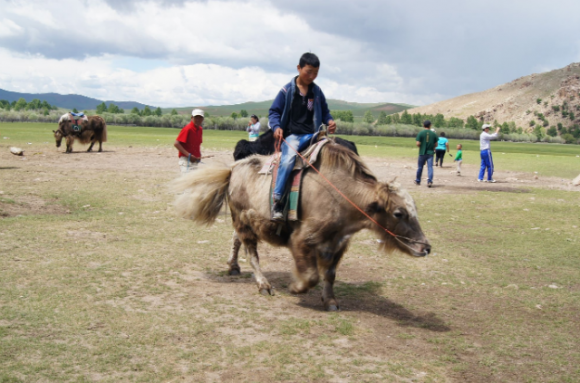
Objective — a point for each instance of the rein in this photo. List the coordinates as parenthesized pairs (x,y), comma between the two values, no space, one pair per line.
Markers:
(397,237)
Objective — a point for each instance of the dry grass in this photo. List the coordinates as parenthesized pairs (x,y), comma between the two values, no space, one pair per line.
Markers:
(114,288)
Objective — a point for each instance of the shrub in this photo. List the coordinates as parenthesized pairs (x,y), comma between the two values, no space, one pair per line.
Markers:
(552,132)
(568,138)
(556,108)
(368,117)
(539,101)
(532,123)
(343,115)
(382,118)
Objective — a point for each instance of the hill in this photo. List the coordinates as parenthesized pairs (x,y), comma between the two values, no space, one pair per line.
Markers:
(67,101)
(261,108)
(547,98)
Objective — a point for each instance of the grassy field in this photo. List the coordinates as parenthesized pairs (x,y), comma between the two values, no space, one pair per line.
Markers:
(100,282)
(545,159)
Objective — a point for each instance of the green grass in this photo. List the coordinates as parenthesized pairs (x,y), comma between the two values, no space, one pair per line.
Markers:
(545,159)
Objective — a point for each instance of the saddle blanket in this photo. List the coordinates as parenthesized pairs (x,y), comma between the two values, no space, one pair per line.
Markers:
(73,117)
(292,197)
(311,153)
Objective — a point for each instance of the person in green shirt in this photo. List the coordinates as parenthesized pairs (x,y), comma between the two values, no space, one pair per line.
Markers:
(426,141)
(459,158)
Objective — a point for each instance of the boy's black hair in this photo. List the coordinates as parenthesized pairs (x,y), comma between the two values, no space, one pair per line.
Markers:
(309,59)
(426,123)
(442,134)
(256,117)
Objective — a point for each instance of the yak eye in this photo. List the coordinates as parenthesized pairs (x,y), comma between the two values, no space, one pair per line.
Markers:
(398,214)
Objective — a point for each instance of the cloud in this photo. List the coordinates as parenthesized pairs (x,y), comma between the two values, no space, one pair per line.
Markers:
(415,52)
(185,85)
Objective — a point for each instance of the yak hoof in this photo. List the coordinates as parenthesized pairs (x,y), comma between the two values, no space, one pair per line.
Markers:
(265,291)
(234,272)
(295,289)
(332,308)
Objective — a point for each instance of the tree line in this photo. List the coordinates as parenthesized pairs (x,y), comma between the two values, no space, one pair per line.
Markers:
(21,104)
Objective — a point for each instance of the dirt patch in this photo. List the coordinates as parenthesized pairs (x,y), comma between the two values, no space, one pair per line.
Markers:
(28,205)
(498,189)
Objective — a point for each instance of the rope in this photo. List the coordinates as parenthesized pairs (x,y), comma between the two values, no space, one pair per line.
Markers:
(397,237)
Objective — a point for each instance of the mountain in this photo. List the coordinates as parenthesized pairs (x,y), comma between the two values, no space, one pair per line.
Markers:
(71,101)
(261,108)
(555,95)
(67,101)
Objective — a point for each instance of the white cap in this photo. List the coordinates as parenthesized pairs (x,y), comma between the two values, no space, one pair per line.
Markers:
(485,126)
(197,112)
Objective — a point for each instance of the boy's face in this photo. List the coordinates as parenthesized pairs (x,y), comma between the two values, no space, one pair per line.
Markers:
(197,120)
(307,74)
(458,147)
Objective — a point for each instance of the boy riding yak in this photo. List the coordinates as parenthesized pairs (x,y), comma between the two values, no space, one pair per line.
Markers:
(296,115)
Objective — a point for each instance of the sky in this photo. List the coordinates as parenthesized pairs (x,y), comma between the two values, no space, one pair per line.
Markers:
(173,53)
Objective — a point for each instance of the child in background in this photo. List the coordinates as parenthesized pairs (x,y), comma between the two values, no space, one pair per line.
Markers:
(459,158)
(253,128)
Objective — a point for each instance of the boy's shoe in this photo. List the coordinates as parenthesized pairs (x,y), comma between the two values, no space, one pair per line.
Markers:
(436,164)
(479,180)
(491,181)
(417,182)
(458,173)
(277,212)
(429,184)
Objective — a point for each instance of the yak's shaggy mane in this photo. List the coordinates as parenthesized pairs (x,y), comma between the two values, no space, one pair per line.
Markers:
(335,156)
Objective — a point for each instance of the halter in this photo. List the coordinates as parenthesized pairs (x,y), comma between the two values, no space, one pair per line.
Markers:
(396,236)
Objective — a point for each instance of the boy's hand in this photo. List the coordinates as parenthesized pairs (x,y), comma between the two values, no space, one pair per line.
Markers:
(278,134)
(331,126)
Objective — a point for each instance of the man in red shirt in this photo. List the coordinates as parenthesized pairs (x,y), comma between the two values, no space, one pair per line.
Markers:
(189,141)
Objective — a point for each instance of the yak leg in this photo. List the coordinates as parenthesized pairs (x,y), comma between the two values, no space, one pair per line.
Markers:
(328,299)
(91,147)
(263,284)
(233,261)
(69,144)
(100,145)
(306,273)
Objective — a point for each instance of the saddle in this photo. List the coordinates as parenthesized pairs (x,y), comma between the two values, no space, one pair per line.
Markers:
(291,196)
(76,121)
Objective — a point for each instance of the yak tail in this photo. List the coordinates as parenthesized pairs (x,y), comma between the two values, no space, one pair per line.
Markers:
(202,193)
(104,134)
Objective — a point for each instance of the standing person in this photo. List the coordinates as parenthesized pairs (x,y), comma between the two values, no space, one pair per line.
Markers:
(188,142)
(253,128)
(442,147)
(459,158)
(296,115)
(485,147)
(426,141)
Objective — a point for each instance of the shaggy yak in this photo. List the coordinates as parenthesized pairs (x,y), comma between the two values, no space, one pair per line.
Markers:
(92,130)
(265,144)
(327,221)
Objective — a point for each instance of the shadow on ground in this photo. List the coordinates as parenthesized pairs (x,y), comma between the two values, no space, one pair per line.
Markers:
(352,297)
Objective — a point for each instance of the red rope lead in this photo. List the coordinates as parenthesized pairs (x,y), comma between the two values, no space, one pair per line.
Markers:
(278,143)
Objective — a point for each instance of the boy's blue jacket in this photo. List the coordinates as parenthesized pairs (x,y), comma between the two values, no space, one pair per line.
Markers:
(279,113)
